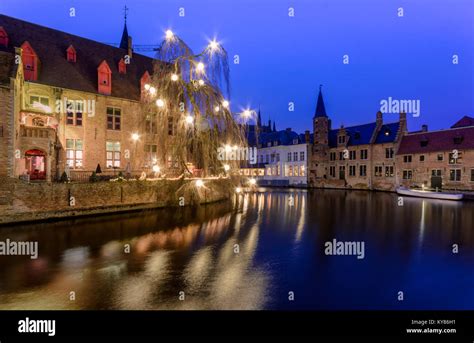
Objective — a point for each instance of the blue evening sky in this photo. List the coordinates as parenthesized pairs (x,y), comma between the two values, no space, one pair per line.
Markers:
(284,59)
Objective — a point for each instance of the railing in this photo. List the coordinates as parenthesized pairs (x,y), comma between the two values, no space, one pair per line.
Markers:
(36,132)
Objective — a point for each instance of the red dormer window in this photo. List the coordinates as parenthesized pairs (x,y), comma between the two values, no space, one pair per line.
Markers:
(104,78)
(71,54)
(146,79)
(122,67)
(3,37)
(30,62)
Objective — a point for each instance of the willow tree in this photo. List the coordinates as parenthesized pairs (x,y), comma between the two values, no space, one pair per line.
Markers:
(187,94)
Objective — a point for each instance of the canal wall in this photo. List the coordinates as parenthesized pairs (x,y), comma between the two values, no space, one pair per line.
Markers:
(21,201)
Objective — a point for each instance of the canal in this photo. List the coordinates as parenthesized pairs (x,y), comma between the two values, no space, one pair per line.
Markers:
(265,250)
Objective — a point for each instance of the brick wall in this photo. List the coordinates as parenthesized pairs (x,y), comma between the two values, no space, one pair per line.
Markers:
(36,201)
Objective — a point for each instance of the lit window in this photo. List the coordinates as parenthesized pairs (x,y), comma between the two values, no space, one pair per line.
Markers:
(113,154)
(74,153)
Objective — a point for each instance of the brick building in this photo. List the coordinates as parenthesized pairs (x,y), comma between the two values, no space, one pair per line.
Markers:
(68,100)
(361,156)
(448,154)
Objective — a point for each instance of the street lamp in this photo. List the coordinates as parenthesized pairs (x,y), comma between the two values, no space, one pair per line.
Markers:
(135,137)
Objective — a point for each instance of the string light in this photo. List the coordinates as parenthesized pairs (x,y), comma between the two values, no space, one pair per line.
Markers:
(226,167)
(238,190)
(247,114)
(152,90)
(169,34)
(160,103)
(200,67)
(252,181)
(217,109)
(156,169)
(135,137)
(199,183)
(147,86)
(201,82)
(174,77)
(225,103)
(189,119)
(213,45)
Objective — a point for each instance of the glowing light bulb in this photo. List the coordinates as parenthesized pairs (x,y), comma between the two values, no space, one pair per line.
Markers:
(225,103)
(160,103)
(226,167)
(217,109)
(201,82)
(147,86)
(135,136)
(238,190)
(174,77)
(169,34)
(156,169)
(246,114)
(152,90)
(199,183)
(189,119)
(253,181)
(200,67)
(213,45)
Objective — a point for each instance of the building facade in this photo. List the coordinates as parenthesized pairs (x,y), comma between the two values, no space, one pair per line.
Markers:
(67,102)
(360,157)
(424,156)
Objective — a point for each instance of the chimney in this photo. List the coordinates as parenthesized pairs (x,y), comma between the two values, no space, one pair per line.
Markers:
(307,137)
(130,50)
(379,120)
(424,128)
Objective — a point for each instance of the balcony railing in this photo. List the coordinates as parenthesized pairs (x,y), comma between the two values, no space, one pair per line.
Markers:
(37,132)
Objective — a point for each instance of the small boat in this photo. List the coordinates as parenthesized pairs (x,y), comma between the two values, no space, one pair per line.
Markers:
(429,194)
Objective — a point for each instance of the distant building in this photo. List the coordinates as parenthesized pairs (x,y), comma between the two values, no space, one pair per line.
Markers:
(361,156)
(282,156)
(448,154)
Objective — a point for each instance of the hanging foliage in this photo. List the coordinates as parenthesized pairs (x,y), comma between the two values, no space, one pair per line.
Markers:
(193,117)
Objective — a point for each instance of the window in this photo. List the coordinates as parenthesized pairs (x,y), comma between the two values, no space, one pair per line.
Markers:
(342,139)
(170,126)
(113,118)
(278,159)
(352,170)
(301,155)
(407,158)
(422,158)
(289,157)
(295,156)
(36,100)
(453,160)
(269,171)
(267,159)
(455,175)
(74,153)
(436,172)
(363,170)
(341,155)
(3,37)
(352,155)
(71,54)
(272,158)
(378,171)
(150,154)
(407,174)
(472,175)
(278,170)
(364,154)
(440,157)
(388,171)
(332,171)
(332,156)
(30,62)
(342,172)
(113,154)
(150,125)
(296,171)
(104,78)
(388,152)
(74,110)
(302,171)
(290,171)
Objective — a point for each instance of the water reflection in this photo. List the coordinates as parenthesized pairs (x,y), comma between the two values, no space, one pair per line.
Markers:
(248,253)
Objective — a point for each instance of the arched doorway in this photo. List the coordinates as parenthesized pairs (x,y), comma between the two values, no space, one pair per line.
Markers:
(35,164)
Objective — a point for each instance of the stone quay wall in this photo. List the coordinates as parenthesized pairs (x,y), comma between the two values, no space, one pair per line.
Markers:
(21,201)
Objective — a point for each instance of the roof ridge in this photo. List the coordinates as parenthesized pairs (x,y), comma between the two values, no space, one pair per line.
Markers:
(440,130)
(70,34)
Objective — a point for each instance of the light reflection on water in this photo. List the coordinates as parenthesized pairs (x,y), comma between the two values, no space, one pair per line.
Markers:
(249,255)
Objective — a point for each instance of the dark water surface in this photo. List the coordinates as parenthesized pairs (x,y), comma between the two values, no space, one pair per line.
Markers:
(250,255)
